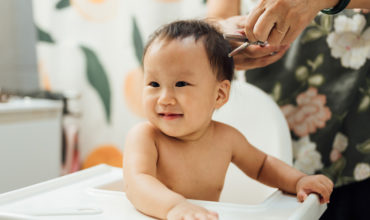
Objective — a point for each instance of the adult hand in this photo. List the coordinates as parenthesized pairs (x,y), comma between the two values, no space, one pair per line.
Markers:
(280,21)
(253,56)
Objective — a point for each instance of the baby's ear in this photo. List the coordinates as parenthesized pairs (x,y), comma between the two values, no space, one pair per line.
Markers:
(223,93)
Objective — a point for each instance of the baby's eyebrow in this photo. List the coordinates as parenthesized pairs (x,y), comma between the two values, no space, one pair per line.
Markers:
(187,73)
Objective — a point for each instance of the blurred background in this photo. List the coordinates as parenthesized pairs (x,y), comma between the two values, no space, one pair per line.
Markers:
(68,76)
(70,72)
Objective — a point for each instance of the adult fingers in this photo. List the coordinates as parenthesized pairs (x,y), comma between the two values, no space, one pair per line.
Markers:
(255,51)
(273,21)
(264,24)
(232,24)
(292,34)
(252,63)
(240,21)
(301,21)
(277,34)
(251,21)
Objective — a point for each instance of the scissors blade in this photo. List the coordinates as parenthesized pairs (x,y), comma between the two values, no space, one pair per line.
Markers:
(238,49)
(235,37)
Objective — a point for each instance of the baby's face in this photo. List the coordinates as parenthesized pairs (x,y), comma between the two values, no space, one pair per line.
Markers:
(180,88)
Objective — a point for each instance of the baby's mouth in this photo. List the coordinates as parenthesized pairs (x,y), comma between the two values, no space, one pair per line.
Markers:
(170,116)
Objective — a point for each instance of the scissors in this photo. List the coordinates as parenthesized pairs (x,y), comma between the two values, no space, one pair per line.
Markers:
(241,38)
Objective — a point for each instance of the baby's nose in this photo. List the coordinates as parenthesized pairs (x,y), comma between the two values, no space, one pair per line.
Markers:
(167,98)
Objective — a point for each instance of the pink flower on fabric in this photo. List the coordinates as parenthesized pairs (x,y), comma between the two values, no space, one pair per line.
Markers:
(310,114)
(335,155)
(339,145)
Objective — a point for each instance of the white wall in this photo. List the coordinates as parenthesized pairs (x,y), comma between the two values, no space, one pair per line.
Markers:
(18,68)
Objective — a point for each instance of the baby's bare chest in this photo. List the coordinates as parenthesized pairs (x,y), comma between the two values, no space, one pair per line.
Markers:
(196,173)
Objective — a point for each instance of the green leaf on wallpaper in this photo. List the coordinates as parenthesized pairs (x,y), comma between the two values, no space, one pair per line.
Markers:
(98,79)
(364,147)
(62,4)
(138,41)
(204,1)
(311,35)
(43,36)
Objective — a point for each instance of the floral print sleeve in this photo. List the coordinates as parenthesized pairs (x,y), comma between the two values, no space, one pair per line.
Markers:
(322,85)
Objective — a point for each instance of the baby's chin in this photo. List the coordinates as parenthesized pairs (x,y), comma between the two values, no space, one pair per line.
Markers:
(175,133)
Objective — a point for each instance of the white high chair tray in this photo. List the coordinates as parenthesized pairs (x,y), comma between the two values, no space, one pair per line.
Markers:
(96,193)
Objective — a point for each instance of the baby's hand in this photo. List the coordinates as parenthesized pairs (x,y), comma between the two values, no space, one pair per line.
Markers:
(319,184)
(188,211)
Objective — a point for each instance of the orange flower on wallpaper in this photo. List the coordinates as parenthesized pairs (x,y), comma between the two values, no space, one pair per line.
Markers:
(105,154)
(310,114)
(133,90)
(96,10)
(44,76)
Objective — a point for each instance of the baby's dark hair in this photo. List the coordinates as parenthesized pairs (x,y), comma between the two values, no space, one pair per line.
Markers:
(217,48)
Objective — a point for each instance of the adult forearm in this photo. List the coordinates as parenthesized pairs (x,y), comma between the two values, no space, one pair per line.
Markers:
(276,173)
(223,8)
(352,4)
(151,197)
(359,4)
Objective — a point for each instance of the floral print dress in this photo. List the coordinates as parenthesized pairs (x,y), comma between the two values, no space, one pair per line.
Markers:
(322,85)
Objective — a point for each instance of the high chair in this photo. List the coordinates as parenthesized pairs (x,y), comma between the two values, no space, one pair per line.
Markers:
(258,117)
(96,193)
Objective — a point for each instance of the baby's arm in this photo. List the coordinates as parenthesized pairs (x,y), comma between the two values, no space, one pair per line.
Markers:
(142,188)
(275,173)
(278,174)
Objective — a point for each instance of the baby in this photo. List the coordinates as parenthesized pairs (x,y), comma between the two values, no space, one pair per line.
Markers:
(180,152)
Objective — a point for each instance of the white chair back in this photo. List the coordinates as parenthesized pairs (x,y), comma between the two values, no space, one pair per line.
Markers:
(259,118)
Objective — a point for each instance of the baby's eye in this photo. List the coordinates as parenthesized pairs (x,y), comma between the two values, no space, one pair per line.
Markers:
(154,84)
(181,84)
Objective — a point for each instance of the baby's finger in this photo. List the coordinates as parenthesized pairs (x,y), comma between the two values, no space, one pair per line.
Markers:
(329,186)
(325,195)
(301,195)
(201,216)
(213,215)
(324,191)
(328,182)
(189,217)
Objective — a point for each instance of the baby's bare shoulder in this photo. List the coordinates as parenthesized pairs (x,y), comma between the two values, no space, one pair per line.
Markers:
(226,131)
(143,133)
(142,129)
